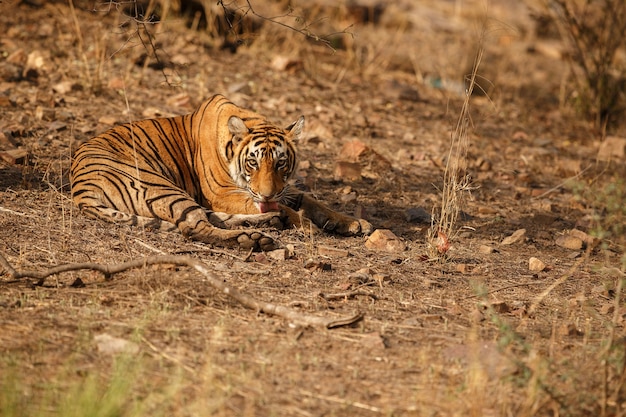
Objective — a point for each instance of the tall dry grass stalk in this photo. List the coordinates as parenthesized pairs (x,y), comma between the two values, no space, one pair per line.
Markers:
(456,181)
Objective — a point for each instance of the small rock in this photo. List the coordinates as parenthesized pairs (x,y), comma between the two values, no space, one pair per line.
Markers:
(569,242)
(107,120)
(515,237)
(417,215)
(14,156)
(384,240)
(350,171)
(330,251)
(278,254)
(486,249)
(587,239)
(536,265)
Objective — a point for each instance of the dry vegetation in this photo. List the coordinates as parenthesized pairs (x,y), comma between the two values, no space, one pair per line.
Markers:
(478,333)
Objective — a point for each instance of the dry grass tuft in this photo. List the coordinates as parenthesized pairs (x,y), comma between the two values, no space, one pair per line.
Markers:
(456,181)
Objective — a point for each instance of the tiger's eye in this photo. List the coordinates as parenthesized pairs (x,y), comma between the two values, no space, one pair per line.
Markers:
(281,164)
(252,163)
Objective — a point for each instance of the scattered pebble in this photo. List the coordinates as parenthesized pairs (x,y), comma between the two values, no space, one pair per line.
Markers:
(486,249)
(515,237)
(569,242)
(107,120)
(14,156)
(278,254)
(536,265)
(586,238)
(385,240)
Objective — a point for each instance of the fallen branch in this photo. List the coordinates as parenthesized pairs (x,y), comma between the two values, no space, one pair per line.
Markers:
(219,284)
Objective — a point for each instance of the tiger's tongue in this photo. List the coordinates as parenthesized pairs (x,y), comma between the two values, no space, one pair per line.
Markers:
(264,207)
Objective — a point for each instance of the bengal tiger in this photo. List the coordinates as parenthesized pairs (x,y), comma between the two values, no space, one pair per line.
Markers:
(204,173)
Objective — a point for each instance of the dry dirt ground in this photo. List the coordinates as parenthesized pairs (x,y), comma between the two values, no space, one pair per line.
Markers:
(477,334)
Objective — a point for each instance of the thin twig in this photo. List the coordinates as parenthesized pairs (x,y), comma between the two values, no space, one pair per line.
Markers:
(346,294)
(217,283)
(342,401)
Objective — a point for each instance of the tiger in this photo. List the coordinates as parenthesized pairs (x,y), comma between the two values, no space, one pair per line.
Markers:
(206,173)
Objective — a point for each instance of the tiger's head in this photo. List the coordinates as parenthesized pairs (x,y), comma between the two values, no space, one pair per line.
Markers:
(262,159)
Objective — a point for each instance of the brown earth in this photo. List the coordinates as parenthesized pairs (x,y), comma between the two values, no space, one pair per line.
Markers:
(477,334)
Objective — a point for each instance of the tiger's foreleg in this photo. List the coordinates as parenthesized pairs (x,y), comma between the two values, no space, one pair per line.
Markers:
(193,222)
(325,218)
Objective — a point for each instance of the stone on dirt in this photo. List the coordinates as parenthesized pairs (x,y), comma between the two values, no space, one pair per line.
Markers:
(569,242)
(385,240)
(586,238)
(486,249)
(14,156)
(515,237)
(536,265)
(279,254)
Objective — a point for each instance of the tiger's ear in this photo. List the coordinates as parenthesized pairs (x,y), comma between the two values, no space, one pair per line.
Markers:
(237,127)
(295,129)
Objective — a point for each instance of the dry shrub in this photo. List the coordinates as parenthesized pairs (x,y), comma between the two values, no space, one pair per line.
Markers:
(594,31)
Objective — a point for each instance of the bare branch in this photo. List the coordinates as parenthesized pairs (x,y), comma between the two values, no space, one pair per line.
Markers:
(303,31)
(217,283)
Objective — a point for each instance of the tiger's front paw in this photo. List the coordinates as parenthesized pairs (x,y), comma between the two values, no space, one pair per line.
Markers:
(256,241)
(244,239)
(274,219)
(355,227)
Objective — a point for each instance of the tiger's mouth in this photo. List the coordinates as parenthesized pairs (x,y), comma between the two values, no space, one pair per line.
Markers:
(266,206)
